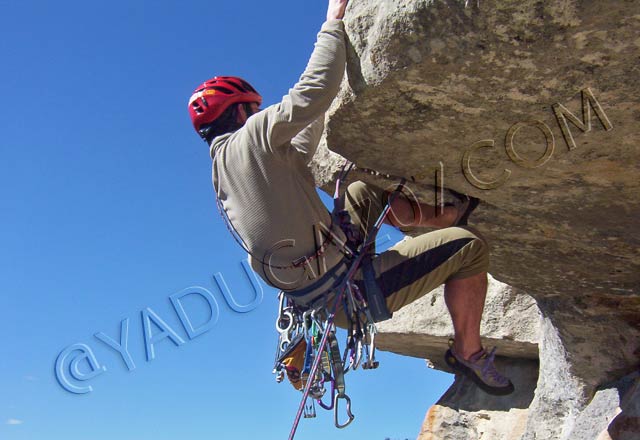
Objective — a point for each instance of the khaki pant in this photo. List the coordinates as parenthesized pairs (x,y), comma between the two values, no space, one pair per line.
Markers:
(414,266)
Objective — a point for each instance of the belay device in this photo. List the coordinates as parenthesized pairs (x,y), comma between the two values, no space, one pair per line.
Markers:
(308,352)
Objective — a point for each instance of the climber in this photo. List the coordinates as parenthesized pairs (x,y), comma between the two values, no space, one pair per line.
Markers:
(267,196)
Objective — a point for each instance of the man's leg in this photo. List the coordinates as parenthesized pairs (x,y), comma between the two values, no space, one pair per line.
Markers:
(407,212)
(365,202)
(456,257)
(465,301)
(459,259)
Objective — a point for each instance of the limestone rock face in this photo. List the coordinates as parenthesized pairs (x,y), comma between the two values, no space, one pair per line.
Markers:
(533,107)
(611,415)
(422,329)
(427,80)
(512,323)
(444,423)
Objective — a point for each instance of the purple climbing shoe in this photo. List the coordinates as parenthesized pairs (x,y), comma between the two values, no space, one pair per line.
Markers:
(481,370)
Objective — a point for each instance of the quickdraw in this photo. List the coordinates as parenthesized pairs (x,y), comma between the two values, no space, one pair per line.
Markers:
(311,330)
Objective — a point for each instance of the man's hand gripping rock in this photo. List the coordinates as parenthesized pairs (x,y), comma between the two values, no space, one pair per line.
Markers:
(336,9)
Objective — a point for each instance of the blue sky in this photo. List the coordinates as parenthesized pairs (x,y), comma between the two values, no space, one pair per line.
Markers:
(107,209)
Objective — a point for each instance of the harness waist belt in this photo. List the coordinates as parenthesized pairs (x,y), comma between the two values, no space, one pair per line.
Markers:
(307,295)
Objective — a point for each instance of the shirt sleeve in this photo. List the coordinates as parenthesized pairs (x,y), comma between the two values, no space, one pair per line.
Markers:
(306,142)
(311,96)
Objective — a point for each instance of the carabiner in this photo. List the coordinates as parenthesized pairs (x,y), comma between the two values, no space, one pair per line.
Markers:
(333,394)
(284,343)
(284,321)
(358,350)
(317,321)
(309,409)
(371,362)
(335,410)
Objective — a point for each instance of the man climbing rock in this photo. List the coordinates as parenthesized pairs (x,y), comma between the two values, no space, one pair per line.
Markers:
(268,198)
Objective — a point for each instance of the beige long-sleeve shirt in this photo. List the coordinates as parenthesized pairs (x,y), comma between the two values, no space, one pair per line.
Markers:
(261,176)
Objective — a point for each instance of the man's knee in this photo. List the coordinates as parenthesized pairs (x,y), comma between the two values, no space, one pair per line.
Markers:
(477,234)
(364,202)
(477,254)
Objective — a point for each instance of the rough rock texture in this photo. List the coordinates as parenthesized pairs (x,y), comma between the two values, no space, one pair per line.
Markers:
(512,323)
(626,424)
(613,414)
(492,93)
(423,328)
(444,423)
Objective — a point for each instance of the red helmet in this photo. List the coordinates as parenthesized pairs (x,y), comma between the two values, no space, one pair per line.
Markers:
(214,96)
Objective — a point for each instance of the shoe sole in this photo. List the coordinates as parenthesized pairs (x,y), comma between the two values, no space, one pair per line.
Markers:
(451,361)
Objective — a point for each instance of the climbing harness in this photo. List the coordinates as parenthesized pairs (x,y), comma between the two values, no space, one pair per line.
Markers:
(307,352)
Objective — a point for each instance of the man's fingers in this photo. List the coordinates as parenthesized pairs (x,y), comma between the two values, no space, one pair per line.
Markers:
(336,9)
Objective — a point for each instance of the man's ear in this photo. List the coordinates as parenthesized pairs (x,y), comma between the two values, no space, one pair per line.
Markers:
(242,114)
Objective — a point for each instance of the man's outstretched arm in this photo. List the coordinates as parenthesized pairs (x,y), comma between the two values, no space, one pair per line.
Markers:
(318,85)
